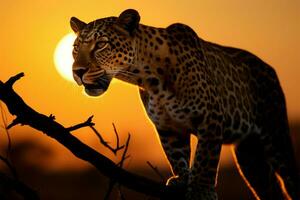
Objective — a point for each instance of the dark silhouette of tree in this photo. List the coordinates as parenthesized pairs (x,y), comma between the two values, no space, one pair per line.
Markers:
(25,115)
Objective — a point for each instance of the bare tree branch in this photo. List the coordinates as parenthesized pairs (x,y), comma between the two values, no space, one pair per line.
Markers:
(87,123)
(28,116)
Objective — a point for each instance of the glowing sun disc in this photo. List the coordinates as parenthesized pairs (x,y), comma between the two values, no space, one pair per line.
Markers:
(63,58)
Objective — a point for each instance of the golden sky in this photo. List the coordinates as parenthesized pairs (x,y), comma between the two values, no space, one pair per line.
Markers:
(31,29)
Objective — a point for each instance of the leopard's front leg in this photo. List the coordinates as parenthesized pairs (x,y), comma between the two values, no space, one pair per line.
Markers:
(204,171)
(177,149)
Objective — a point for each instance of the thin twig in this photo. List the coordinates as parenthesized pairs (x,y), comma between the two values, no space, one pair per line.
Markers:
(117,135)
(155,169)
(110,189)
(87,123)
(9,147)
(124,156)
(52,117)
(113,182)
(104,143)
(9,142)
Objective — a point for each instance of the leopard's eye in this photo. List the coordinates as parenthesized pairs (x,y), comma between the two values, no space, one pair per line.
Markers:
(101,45)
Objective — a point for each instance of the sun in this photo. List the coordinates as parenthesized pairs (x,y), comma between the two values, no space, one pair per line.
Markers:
(63,59)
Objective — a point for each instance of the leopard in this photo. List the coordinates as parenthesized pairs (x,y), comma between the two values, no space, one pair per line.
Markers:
(189,86)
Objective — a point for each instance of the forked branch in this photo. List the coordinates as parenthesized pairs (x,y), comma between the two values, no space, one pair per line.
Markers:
(113,182)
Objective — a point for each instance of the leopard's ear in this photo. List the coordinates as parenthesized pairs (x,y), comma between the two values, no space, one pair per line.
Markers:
(76,24)
(128,21)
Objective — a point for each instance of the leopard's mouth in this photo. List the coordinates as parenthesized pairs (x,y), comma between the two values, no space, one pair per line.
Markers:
(95,89)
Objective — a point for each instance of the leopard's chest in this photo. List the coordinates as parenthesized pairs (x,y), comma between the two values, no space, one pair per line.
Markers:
(167,114)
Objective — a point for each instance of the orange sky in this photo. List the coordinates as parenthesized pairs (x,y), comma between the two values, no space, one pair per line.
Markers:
(30,31)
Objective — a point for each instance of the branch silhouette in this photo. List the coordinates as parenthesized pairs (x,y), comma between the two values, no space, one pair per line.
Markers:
(25,115)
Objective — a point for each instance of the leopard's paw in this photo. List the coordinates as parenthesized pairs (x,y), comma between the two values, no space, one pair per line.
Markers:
(178,181)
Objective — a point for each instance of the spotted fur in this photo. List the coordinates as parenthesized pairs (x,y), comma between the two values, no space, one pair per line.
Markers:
(222,95)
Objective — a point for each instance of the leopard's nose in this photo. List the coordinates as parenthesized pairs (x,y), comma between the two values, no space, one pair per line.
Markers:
(79,72)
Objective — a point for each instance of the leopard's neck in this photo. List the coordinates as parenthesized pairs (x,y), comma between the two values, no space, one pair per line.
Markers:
(152,60)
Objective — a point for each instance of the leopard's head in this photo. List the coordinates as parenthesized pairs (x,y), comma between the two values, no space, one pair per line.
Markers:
(103,49)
